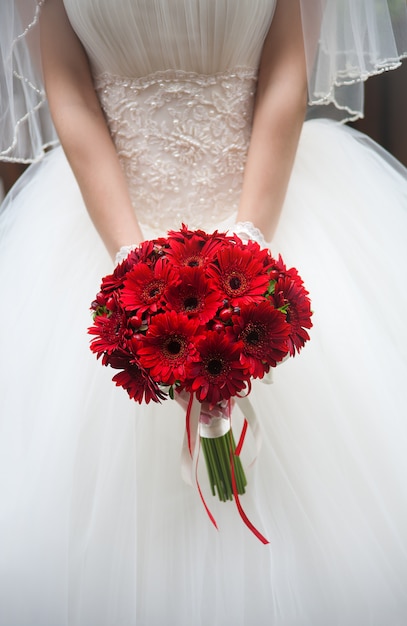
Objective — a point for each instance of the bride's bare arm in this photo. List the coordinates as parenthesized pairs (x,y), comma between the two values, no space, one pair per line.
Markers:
(83,132)
(278,117)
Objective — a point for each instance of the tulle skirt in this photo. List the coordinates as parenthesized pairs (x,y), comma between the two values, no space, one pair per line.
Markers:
(97,526)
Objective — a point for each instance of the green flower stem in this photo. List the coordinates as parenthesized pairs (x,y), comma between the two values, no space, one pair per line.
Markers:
(221,474)
(211,471)
(212,466)
(218,459)
(223,452)
(240,477)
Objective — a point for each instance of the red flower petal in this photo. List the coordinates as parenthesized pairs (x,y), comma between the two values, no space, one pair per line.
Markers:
(263,333)
(110,330)
(138,384)
(240,276)
(218,375)
(193,249)
(144,287)
(168,346)
(290,296)
(194,295)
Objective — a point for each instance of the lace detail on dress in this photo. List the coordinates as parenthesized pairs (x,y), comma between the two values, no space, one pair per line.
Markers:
(182,140)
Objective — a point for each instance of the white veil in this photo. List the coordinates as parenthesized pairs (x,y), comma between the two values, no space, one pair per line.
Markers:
(26,130)
(346,41)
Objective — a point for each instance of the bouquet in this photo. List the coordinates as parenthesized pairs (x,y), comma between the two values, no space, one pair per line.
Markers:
(197,316)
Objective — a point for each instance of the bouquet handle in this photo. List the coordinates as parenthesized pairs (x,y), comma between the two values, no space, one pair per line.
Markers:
(191,449)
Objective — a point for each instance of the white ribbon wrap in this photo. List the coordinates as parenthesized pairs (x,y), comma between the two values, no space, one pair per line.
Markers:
(219,427)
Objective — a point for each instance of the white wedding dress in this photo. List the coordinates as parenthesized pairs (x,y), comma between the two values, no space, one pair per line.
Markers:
(97,526)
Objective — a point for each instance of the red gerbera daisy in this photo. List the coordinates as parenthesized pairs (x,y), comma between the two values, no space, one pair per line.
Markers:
(279,270)
(144,253)
(144,287)
(263,332)
(262,255)
(192,252)
(110,330)
(139,384)
(292,298)
(194,295)
(239,276)
(218,375)
(114,281)
(184,233)
(168,346)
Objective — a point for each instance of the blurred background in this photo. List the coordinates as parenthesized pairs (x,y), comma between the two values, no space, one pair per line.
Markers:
(386,111)
(9,172)
(385,120)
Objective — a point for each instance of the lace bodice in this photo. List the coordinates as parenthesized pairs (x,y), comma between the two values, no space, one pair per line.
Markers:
(182,140)
(176,79)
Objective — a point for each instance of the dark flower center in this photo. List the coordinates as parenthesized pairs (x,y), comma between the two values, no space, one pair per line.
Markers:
(235,283)
(193,261)
(114,329)
(174,347)
(214,366)
(152,290)
(252,337)
(191,303)
(253,334)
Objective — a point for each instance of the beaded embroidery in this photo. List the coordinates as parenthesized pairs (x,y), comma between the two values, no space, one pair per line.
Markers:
(182,140)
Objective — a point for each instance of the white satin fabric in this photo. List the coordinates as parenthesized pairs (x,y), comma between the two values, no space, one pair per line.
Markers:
(97,526)
(157,35)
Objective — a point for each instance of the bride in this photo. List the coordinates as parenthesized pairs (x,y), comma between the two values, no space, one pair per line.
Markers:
(192,111)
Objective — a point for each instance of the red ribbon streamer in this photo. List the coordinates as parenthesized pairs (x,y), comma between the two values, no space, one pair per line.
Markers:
(188,429)
(200,492)
(237,500)
(188,423)
(237,452)
(242,438)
